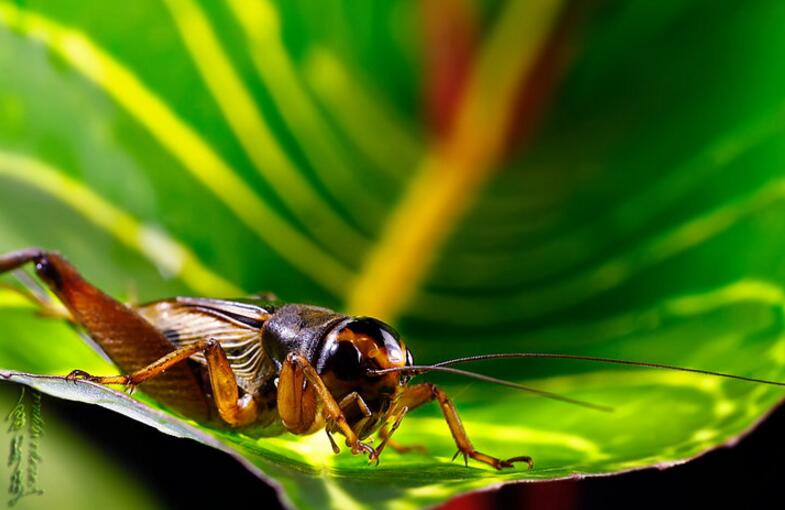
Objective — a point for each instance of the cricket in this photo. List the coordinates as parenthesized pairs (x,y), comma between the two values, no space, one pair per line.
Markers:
(266,367)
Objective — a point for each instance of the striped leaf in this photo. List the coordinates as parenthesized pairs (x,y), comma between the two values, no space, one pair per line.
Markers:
(601,180)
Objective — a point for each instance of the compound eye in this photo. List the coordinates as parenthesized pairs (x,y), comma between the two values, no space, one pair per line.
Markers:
(345,361)
(392,345)
(405,377)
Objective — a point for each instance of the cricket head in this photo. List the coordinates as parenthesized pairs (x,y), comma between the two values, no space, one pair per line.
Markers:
(351,353)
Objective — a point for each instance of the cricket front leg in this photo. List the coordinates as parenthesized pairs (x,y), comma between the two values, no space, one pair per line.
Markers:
(352,399)
(236,411)
(415,396)
(298,403)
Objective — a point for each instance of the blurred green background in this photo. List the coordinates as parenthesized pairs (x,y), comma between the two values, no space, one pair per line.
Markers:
(599,178)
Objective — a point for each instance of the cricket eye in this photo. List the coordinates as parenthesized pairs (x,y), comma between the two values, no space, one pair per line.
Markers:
(345,361)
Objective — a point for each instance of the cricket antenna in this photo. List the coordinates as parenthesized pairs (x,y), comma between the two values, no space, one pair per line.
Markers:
(421,369)
(547,355)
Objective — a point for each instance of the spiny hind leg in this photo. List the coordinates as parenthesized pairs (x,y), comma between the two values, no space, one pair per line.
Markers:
(415,396)
(80,302)
(234,410)
(33,292)
(127,338)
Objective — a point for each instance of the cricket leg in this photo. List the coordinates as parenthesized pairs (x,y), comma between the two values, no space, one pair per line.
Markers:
(297,403)
(346,402)
(128,339)
(415,396)
(385,434)
(353,398)
(236,411)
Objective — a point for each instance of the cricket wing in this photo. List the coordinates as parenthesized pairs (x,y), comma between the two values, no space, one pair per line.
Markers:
(235,325)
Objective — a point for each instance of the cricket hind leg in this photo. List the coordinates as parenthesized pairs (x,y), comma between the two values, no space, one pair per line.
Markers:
(235,410)
(415,396)
(32,290)
(128,339)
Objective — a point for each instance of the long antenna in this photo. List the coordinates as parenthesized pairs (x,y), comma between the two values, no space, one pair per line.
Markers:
(548,355)
(418,369)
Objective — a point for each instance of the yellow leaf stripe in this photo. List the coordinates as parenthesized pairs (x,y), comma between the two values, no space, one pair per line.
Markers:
(371,125)
(324,151)
(450,175)
(180,139)
(243,115)
(165,252)
(11,298)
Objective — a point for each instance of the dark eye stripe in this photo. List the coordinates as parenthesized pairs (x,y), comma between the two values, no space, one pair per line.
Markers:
(345,361)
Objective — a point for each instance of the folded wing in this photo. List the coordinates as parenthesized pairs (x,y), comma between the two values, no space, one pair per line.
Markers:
(235,325)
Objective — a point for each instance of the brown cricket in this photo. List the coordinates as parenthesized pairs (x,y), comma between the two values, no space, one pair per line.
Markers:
(265,367)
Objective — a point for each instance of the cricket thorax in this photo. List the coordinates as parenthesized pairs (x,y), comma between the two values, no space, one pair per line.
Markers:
(297,328)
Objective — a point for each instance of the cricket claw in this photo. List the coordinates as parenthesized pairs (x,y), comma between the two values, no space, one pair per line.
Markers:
(362,448)
(524,458)
(81,375)
(493,461)
(78,375)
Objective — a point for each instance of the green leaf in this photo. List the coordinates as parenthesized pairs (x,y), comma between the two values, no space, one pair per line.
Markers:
(216,149)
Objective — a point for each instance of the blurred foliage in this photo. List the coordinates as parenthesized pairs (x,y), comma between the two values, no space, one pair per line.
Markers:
(632,209)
